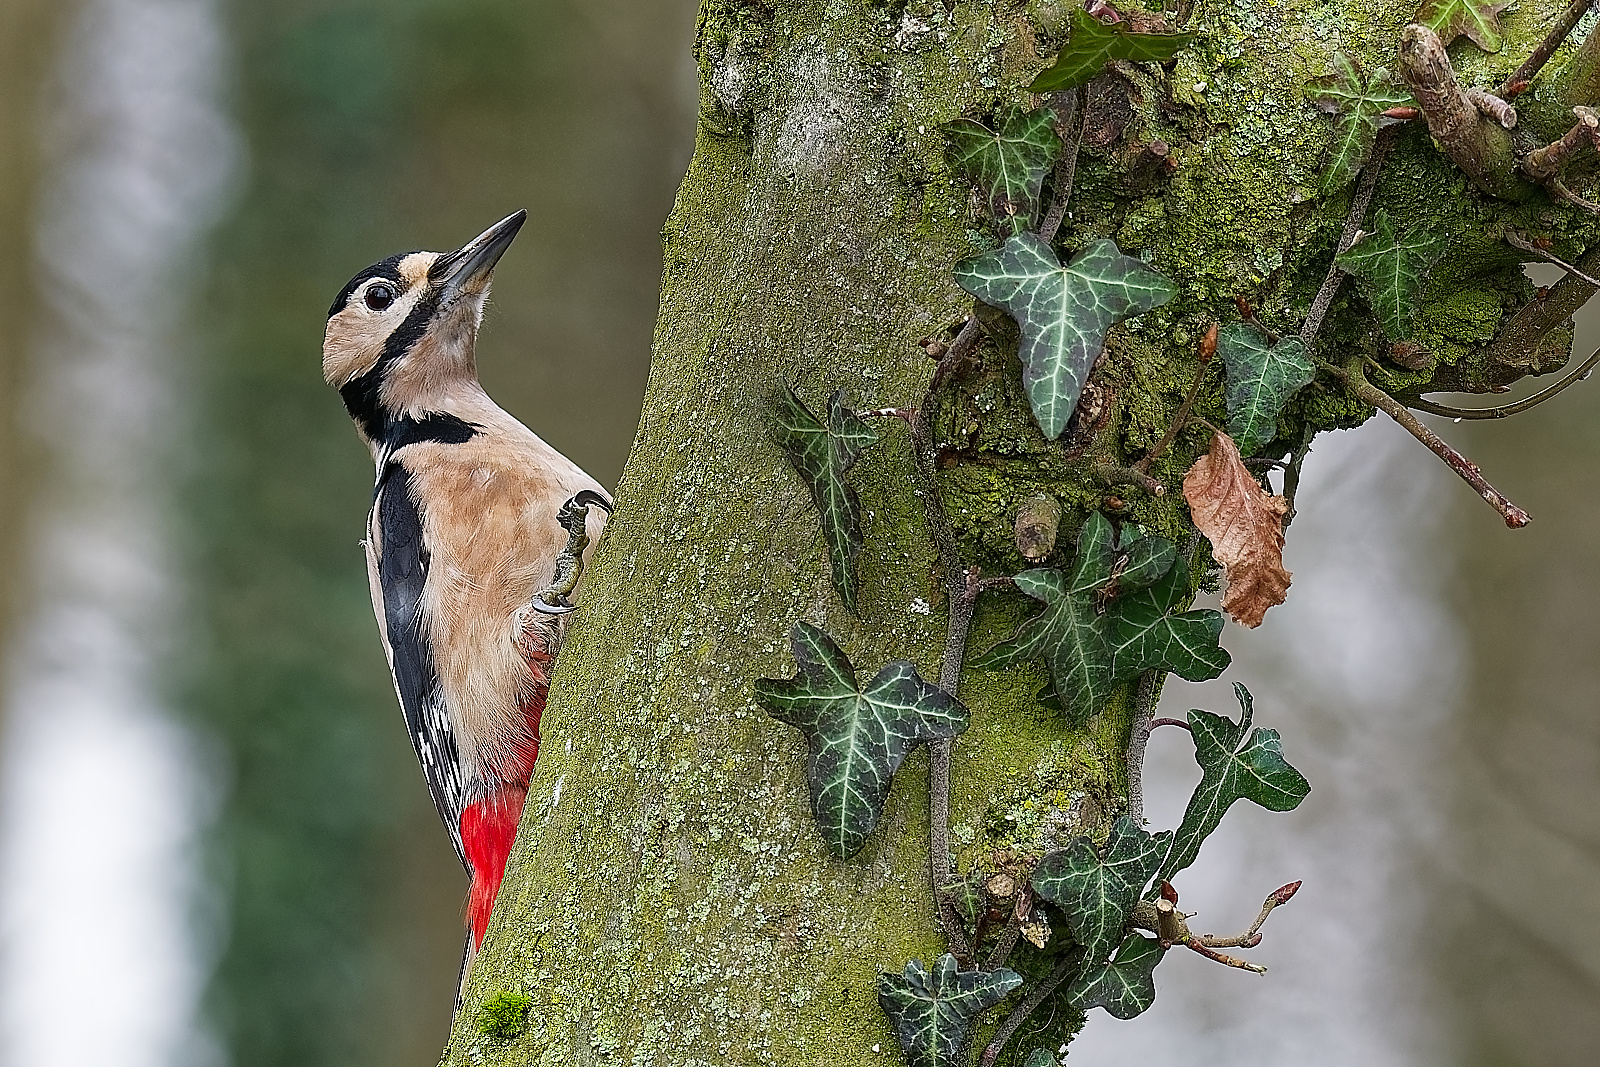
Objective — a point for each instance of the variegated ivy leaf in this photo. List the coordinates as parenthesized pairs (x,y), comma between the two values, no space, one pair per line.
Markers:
(1093,44)
(1477,20)
(1009,165)
(967,896)
(822,455)
(1145,557)
(1126,985)
(1096,890)
(857,736)
(1068,634)
(1064,312)
(1391,268)
(1262,377)
(1148,634)
(1231,768)
(1357,102)
(933,1012)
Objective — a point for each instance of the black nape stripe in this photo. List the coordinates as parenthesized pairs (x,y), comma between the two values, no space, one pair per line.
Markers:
(387,268)
(435,427)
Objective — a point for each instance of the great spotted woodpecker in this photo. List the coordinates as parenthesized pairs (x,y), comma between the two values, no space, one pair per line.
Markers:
(478,531)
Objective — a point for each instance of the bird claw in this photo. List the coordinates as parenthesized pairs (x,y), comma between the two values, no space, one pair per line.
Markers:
(574,517)
(562,605)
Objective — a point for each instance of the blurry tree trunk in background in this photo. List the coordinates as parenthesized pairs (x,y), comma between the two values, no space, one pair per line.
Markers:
(27,39)
(1524,845)
(669,902)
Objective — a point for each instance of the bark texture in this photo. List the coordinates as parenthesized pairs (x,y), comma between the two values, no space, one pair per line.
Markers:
(669,902)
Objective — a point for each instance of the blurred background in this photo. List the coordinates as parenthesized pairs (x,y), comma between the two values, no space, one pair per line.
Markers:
(213,845)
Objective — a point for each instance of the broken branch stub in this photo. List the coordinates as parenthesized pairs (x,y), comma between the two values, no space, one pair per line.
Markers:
(1480,146)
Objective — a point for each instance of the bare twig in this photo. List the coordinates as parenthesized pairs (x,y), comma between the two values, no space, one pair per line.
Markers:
(1291,476)
(1112,474)
(1565,194)
(1352,375)
(1194,944)
(1582,140)
(1507,410)
(1162,918)
(1494,107)
(1252,937)
(1352,229)
(1020,1013)
(1168,722)
(1516,240)
(956,352)
(1070,119)
(1517,83)
(1481,148)
(1247,312)
(1208,348)
(1144,706)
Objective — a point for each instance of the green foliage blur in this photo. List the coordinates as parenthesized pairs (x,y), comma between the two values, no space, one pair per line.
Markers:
(373,127)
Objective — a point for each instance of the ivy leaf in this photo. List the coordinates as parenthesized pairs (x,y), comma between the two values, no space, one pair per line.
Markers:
(1095,891)
(822,455)
(1009,166)
(857,737)
(1391,268)
(1093,44)
(1040,1057)
(1068,634)
(1357,101)
(1064,312)
(967,896)
(932,1012)
(1146,635)
(1262,377)
(1477,20)
(1091,565)
(1145,558)
(1125,986)
(1232,768)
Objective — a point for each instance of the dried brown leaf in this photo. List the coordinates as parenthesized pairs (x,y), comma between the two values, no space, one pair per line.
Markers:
(1245,526)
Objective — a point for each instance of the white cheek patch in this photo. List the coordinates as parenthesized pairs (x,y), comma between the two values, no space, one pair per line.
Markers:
(355,336)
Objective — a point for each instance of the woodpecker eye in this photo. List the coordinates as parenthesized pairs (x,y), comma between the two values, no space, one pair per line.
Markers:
(380,296)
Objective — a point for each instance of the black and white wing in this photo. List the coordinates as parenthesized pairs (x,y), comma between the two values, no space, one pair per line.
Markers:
(398,560)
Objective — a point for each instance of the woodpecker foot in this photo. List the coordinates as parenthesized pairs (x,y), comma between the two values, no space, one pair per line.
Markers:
(574,517)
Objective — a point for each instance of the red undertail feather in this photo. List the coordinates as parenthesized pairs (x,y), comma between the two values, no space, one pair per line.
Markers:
(489,826)
(488,829)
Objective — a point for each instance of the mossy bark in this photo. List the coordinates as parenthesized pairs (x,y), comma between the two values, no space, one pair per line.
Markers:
(669,902)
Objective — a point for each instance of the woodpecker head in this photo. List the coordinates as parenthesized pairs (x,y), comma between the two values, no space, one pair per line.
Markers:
(401,333)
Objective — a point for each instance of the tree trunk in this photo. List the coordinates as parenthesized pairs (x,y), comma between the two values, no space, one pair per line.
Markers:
(670,900)
(28,30)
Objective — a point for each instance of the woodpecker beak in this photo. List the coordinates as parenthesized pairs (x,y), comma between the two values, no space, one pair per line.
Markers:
(467,270)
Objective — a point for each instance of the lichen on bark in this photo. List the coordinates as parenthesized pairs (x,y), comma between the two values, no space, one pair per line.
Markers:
(669,901)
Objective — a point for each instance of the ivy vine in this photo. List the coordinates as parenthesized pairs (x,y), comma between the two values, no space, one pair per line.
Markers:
(1102,911)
